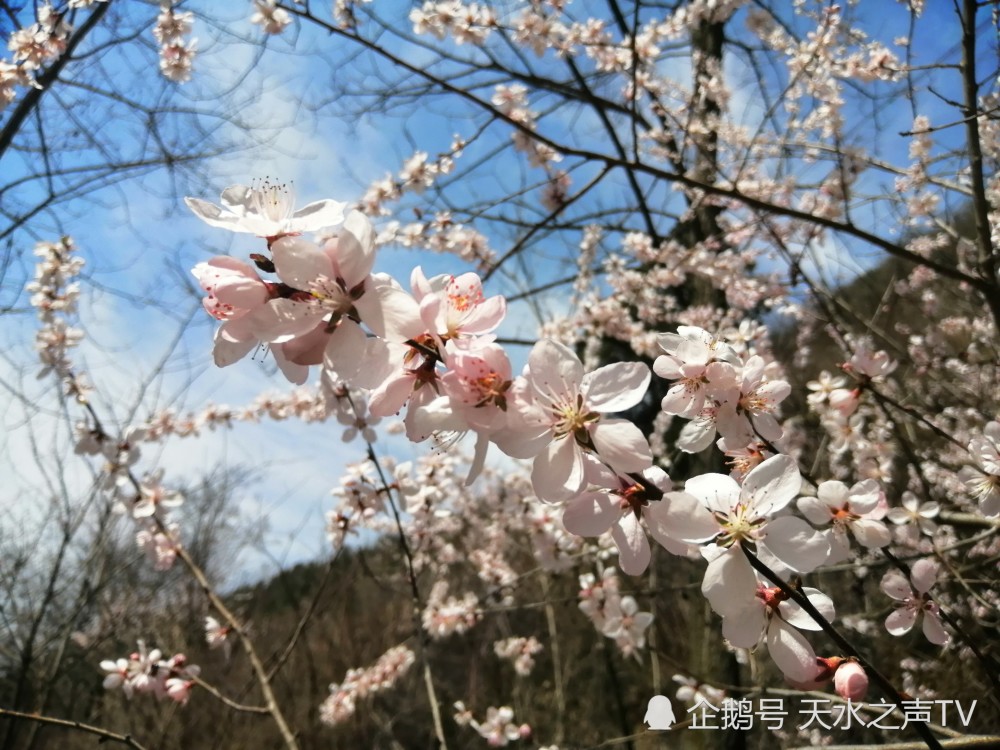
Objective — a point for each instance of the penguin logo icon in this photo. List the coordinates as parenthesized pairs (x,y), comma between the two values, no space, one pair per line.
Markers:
(659,713)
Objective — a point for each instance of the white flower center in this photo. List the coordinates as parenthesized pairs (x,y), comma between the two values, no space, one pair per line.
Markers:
(275,202)
(741,524)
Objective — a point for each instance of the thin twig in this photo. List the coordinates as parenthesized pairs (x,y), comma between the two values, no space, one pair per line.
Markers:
(104,734)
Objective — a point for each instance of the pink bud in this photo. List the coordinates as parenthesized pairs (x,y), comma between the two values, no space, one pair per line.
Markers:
(525,731)
(845,401)
(850,681)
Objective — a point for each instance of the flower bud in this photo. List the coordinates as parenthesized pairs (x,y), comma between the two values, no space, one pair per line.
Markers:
(850,681)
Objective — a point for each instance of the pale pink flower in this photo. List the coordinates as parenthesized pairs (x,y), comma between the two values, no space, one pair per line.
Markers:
(172,25)
(177,59)
(858,509)
(772,617)
(701,365)
(626,624)
(216,634)
(714,509)
(845,400)
(913,511)
(519,651)
(358,684)
(160,546)
(269,17)
(118,675)
(234,288)
(822,388)
(454,307)
(477,382)
(267,210)
(620,509)
(559,415)
(11,77)
(984,479)
(913,600)
(179,689)
(752,412)
(869,363)
(692,691)
(154,497)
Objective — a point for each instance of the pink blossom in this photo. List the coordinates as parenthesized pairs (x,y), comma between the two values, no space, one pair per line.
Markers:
(850,681)
(216,634)
(559,415)
(269,17)
(234,288)
(266,209)
(702,367)
(984,479)
(713,508)
(455,307)
(772,617)
(858,509)
(912,601)
(179,690)
(913,511)
(620,509)
(752,411)
(626,624)
(869,363)
(153,497)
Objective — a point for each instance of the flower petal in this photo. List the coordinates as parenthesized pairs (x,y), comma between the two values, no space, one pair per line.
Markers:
(317,215)
(390,312)
(633,547)
(795,615)
(896,586)
(717,492)
(790,651)
(933,629)
(355,249)
(591,514)
(796,544)
(744,630)
(681,516)
(214,215)
(900,621)
(553,369)
(815,510)
(615,387)
(871,534)
(622,445)
(729,584)
(299,262)
(557,473)
(773,484)
(923,573)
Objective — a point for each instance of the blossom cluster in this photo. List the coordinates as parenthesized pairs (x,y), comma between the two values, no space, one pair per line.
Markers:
(444,616)
(615,616)
(498,729)
(520,651)
(146,671)
(358,684)
(176,51)
(440,233)
(31,48)
(270,18)
(54,294)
